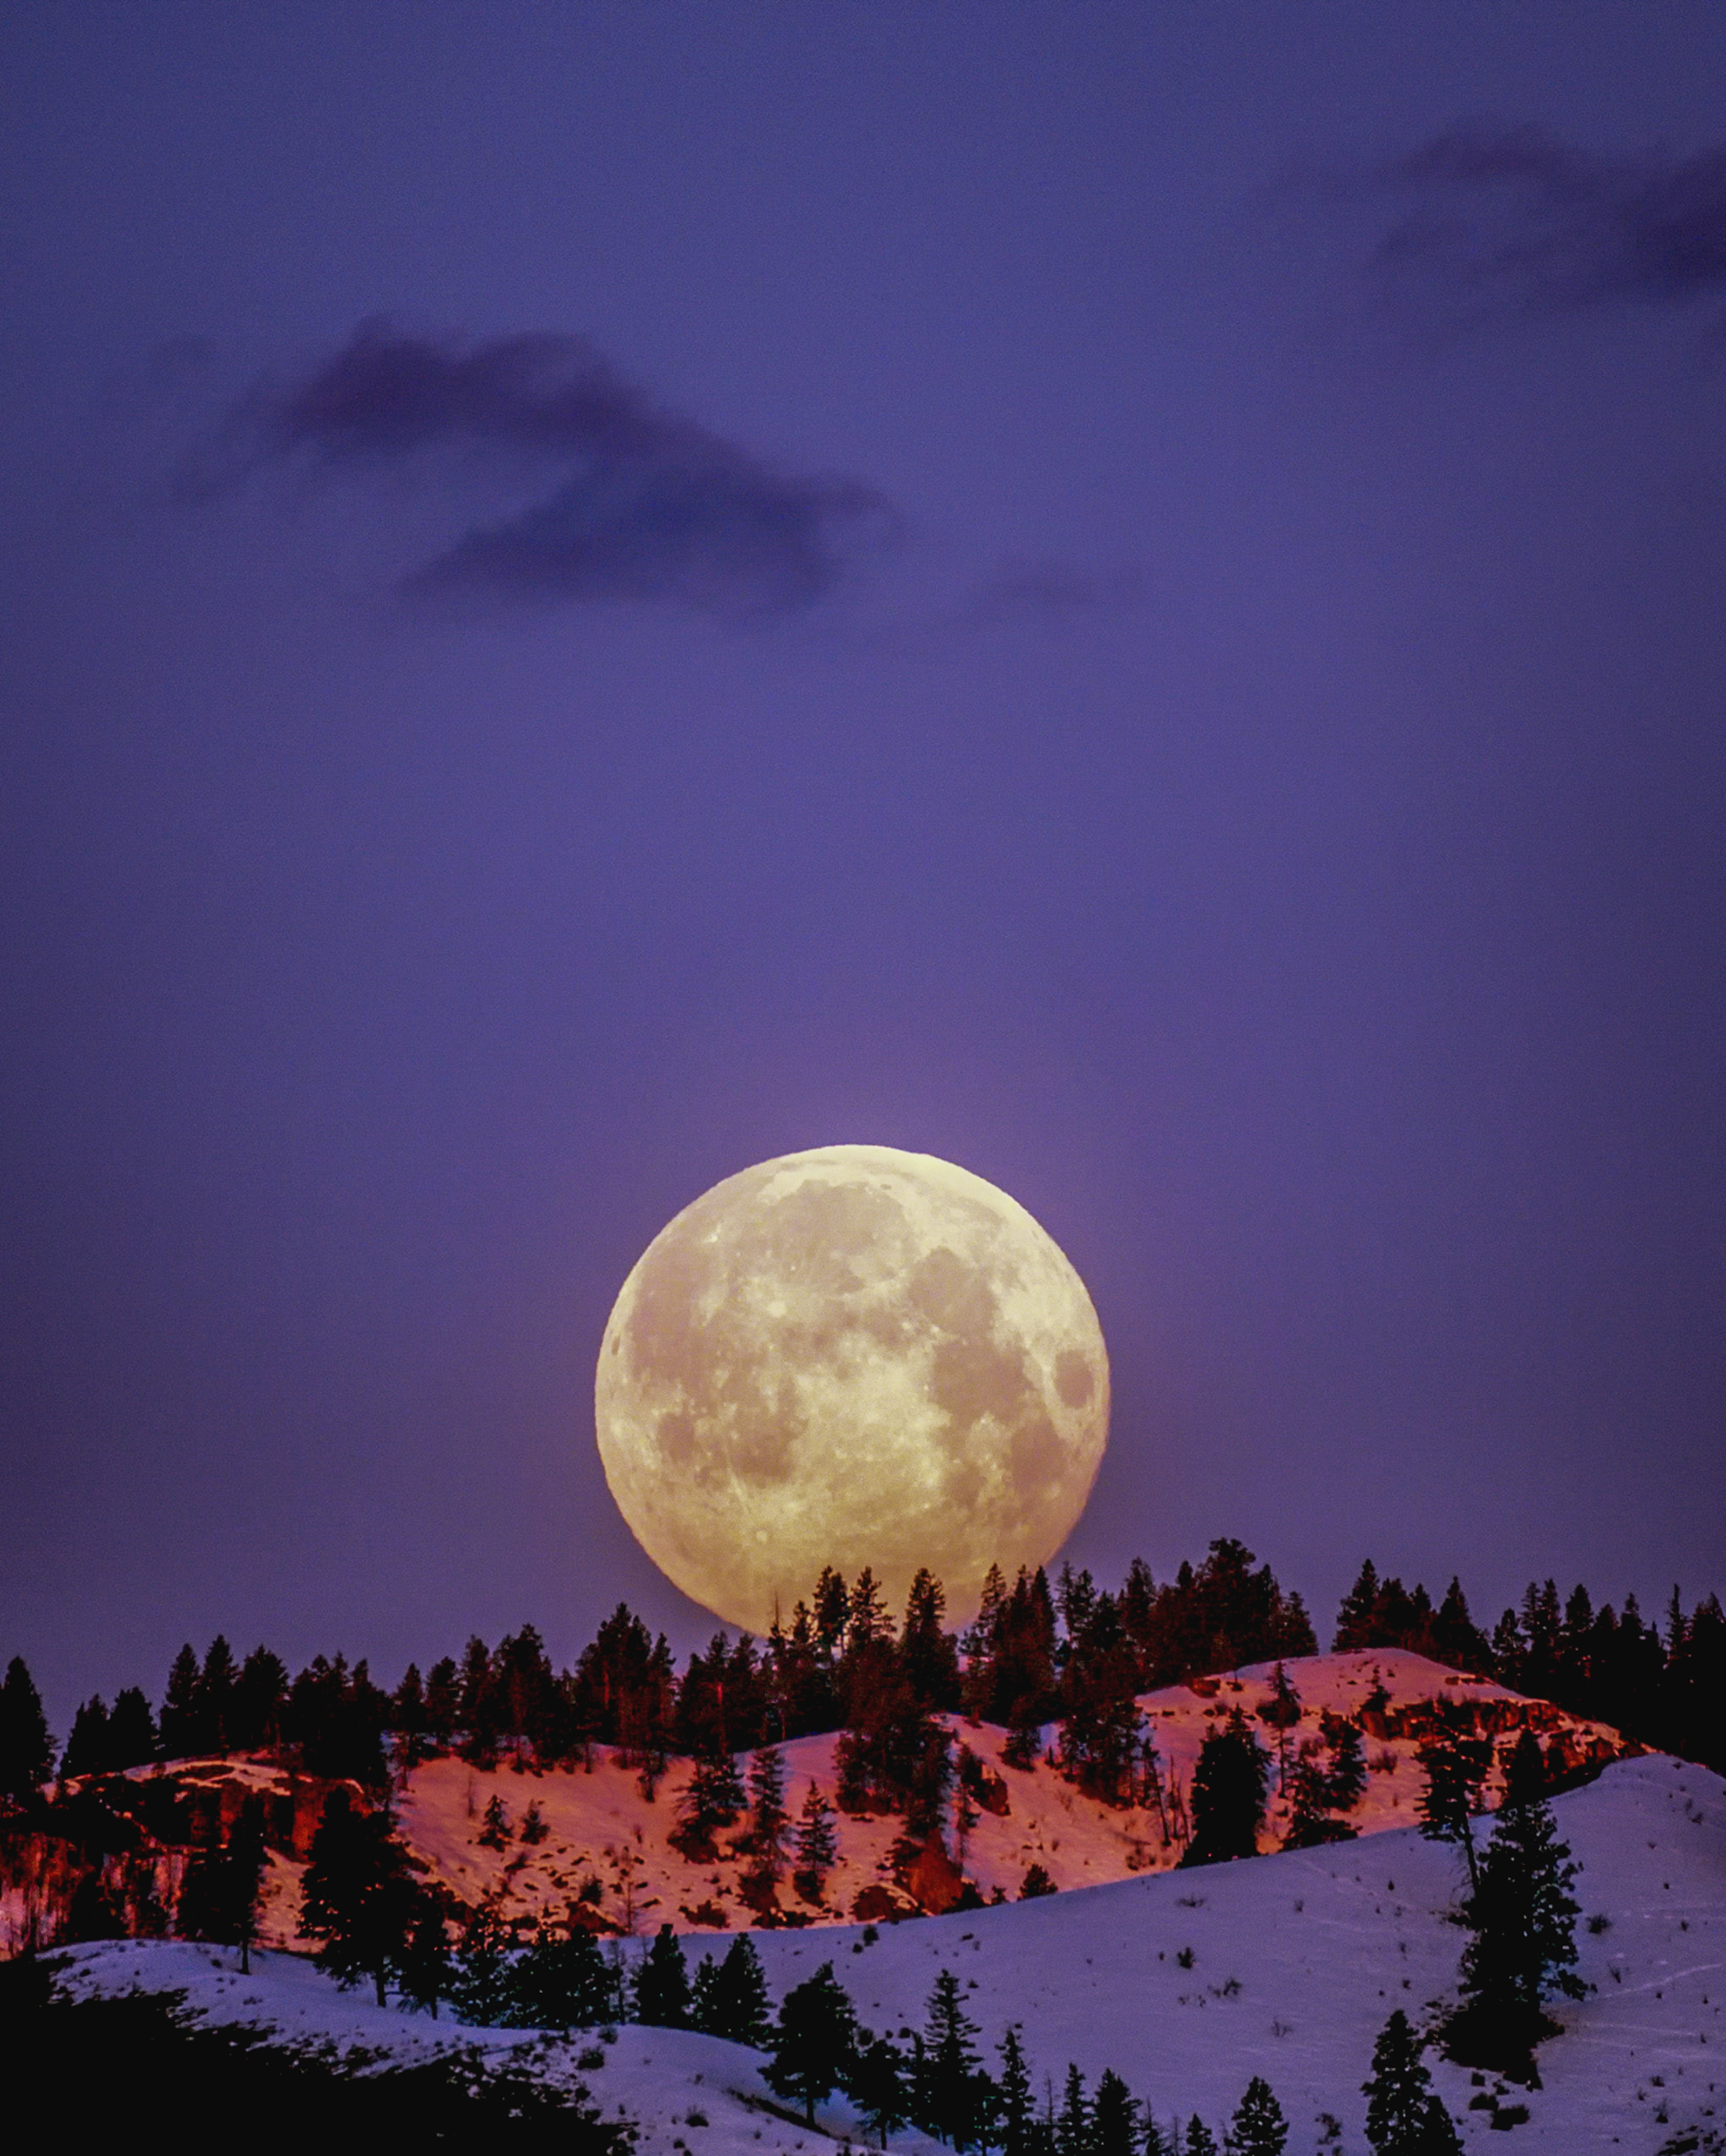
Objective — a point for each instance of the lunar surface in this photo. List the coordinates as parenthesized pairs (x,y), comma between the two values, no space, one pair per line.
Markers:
(850,1357)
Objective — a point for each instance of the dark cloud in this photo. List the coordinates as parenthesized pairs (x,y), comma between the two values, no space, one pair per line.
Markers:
(627,500)
(1513,219)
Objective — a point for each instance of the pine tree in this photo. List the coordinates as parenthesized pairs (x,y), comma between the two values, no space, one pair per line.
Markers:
(181,1735)
(954,2097)
(868,1620)
(1114,2118)
(814,2042)
(26,1748)
(261,1693)
(1523,1922)
(407,1714)
(816,1850)
(87,1749)
(767,1812)
(704,2007)
(1454,1765)
(1200,2140)
(1024,1733)
(214,1697)
(729,1999)
(1072,2123)
(1227,1794)
(928,1657)
(1346,1777)
(561,1982)
(1404,2115)
(1310,1822)
(359,1894)
(131,1731)
(481,1986)
(218,1897)
(1354,1619)
(877,2084)
(495,1826)
(1258,2127)
(424,1972)
(1018,2106)
(1280,1711)
(443,1703)
(713,1798)
(534,1829)
(662,1983)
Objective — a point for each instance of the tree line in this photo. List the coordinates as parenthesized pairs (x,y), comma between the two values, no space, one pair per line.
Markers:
(1666,1689)
(1067,1654)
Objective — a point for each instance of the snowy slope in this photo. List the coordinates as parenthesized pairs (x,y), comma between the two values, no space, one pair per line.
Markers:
(656,2076)
(602,1830)
(1297,1960)
(1323,1944)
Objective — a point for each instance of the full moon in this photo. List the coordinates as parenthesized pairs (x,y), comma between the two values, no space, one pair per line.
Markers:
(850,1357)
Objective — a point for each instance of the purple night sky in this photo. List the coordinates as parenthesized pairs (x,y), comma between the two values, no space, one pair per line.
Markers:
(1134,596)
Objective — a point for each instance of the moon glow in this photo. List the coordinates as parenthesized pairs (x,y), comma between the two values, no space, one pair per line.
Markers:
(852,1357)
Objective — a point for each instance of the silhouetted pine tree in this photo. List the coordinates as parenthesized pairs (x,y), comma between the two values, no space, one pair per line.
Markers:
(662,1983)
(407,1717)
(729,1997)
(1114,2118)
(181,1734)
(212,1698)
(26,1748)
(713,1797)
(1523,1922)
(740,1997)
(360,1898)
(87,1749)
(424,1971)
(927,1654)
(1018,2106)
(131,1731)
(1072,2122)
(954,2097)
(260,1693)
(1258,2127)
(814,2042)
(1345,1777)
(560,1982)
(1227,1794)
(218,1897)
(1200,2140)
(1454,1765)
(443,1703)
(877,2084)
(481,1983)
(1404,2115)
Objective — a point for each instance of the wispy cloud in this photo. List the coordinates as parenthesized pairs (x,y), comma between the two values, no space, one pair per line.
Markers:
(625,500)
(1514,220)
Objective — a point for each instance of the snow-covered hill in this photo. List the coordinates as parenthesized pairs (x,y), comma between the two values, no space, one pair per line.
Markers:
(1296,1961)
(602,1834)
(1189,1984)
